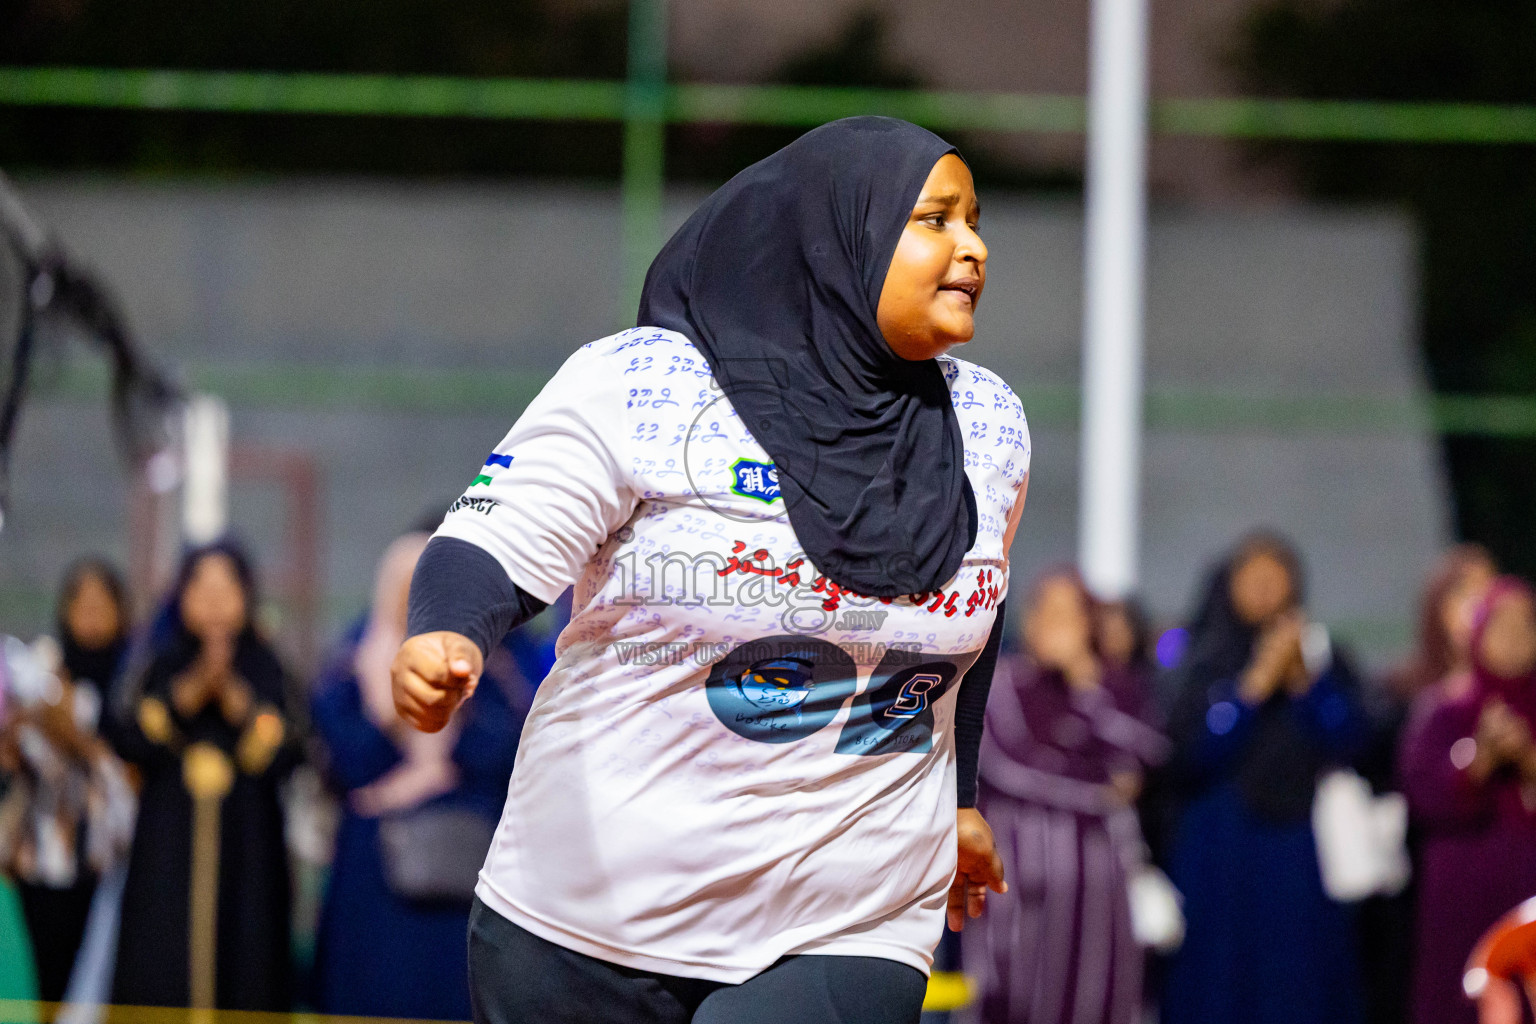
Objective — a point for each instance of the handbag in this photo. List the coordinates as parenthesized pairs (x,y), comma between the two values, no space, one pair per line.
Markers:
(435,853)
(1157,910)
(1362,839)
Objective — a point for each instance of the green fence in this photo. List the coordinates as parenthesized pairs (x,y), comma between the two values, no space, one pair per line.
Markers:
(655,101)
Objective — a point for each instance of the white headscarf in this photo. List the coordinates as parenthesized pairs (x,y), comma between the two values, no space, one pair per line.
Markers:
(427,769)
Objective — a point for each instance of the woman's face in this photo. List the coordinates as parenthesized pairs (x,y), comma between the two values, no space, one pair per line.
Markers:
(940,266)
(1459,606)
(1508,646)
(213,603)
(1261,588)
(92,617)
(1057,624)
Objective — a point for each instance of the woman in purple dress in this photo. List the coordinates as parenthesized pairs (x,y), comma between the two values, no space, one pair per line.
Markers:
(1448,602)
(1066,741)
(1455,588)
(1469,770)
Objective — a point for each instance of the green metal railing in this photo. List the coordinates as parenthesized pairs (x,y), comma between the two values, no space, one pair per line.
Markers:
(647,100)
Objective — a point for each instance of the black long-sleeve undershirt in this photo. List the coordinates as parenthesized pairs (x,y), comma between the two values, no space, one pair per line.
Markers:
(971,712)
(461,588)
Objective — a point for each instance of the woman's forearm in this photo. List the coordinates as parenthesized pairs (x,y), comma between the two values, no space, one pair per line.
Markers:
(971,711)
(461,588)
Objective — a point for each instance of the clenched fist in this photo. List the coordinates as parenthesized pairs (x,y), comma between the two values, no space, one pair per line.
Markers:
(433,673)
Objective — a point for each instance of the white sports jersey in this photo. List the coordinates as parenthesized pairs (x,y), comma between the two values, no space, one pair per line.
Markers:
(733,759)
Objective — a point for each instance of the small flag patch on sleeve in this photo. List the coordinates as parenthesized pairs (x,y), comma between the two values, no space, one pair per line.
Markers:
(493,462)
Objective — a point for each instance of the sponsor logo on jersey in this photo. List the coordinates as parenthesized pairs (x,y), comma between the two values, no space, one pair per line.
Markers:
(753,479)
(779,683)
(781,689)
(494,462)
(481,505)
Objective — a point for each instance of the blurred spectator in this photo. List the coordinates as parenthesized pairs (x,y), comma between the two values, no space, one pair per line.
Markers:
(1066,740)
(1469,769)
(1449,599)
(68,814)
(1451,596)
(18,978)
(1123,636)
(392,932)
(209,723)
(1263,708)
(93,624)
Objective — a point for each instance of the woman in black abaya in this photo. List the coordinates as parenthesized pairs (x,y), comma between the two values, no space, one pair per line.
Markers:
(205,918)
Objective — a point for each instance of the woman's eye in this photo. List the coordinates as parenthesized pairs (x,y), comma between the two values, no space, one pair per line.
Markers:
(935,219)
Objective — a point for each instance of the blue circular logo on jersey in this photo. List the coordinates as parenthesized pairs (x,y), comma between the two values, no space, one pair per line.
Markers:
(777,684)
(781,689)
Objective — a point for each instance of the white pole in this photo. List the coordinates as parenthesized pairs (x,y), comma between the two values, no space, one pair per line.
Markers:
(205,477)
(1114,250)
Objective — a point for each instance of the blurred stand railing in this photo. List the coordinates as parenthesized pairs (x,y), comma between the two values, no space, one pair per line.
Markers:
(506,392)
(783,105)
(300,577)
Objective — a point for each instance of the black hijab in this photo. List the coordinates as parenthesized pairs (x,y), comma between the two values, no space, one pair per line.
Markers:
(776,278)
(1277,770)
(174,646)
(95,664)
(1220,642)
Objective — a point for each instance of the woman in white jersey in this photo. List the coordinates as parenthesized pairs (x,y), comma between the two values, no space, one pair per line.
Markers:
(746,789)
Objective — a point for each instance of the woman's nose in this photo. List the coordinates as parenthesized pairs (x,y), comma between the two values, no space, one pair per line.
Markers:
(971,247)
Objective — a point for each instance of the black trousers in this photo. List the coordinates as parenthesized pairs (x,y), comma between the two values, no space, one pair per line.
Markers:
(56,923)
(515,977)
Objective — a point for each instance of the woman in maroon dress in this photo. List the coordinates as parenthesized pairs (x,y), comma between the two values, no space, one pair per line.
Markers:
(1469,769)
(1448,601)
(1065,744)
(1452,593)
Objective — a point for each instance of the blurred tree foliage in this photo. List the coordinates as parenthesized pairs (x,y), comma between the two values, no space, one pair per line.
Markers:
(1475,205)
